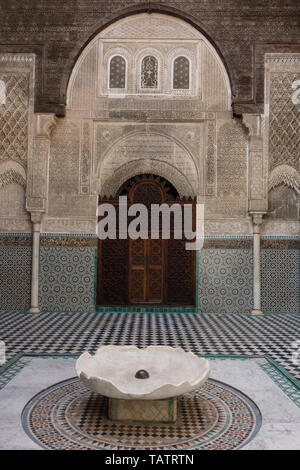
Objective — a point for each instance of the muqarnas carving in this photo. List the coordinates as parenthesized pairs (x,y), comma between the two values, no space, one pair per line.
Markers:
(284,193)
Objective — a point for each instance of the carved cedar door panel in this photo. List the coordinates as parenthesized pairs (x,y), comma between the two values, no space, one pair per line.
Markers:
(146,271)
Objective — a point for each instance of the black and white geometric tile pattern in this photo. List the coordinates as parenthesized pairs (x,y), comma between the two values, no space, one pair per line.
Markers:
(49,332)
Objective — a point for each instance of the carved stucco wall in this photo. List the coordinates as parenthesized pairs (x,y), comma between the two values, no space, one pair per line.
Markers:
(148,153)
(16,132)
(140,35)
(283,141)
(108,137)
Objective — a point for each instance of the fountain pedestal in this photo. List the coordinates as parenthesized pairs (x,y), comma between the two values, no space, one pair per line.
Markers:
(142,384)
(162,411)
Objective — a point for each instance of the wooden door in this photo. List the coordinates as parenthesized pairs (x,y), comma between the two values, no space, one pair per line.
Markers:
(146,271)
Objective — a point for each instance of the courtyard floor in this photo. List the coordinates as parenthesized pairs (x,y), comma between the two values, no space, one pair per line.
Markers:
(252,399)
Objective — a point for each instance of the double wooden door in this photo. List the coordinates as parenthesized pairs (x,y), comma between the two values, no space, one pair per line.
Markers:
(146,271)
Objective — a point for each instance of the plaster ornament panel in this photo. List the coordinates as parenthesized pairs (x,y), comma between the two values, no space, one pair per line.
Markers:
(85,159)
(211,160)
(282,74)
(216,208)
(232,160)
(205,77)
(16,224)
(12,197)
(228,226)
(284,121)
(137,167)
(14,117)
(280,227)
(143,148)
(69,225)
(190,134)
(64,161)
(284,203)
(148,26)
(16,134)
(12,172)
(285,175)
(257,181)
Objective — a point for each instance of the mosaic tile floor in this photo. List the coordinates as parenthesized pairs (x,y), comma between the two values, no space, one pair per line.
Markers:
(201,333)
(67,415)
(225,413)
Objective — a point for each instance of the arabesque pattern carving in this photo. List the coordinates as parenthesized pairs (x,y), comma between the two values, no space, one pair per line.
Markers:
(232,160)
(85,160)
(284,127)
(211,164)
(14,118)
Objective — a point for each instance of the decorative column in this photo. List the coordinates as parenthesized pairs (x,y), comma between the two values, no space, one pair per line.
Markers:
(37,193)
(256,221)
(36,218)
(257,191)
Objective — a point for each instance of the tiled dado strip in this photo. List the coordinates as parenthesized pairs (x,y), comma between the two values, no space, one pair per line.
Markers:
(67,273)
(69,240)
(226,275)
(17,240)
(246,243)
(15,271)
(25,239)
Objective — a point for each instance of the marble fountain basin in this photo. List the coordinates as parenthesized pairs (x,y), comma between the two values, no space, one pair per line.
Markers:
(166,372)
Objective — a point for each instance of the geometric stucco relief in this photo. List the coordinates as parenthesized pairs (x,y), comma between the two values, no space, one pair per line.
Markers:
(143,152)
(14,117)
(85,159)
(232,160)
(284,121)
(164,38)
(211,160)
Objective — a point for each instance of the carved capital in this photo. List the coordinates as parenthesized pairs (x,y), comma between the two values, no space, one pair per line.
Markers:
(45,124)
(257,218)
(253,124)
(36,217)
(36,204)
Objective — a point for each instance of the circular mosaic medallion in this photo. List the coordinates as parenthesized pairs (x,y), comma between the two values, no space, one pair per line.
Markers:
(69,416)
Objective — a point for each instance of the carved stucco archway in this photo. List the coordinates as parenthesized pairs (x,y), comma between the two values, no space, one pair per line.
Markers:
(146,153)
(162,169)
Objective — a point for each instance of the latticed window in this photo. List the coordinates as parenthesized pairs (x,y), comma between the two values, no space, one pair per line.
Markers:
(181,73)
(117,72)
(149,72)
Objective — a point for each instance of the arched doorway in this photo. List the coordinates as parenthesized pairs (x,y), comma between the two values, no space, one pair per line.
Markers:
(146,271)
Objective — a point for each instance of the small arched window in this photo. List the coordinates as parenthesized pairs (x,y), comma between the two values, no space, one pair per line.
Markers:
(181,73)
(149,72)
(117,72)
(2,92)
